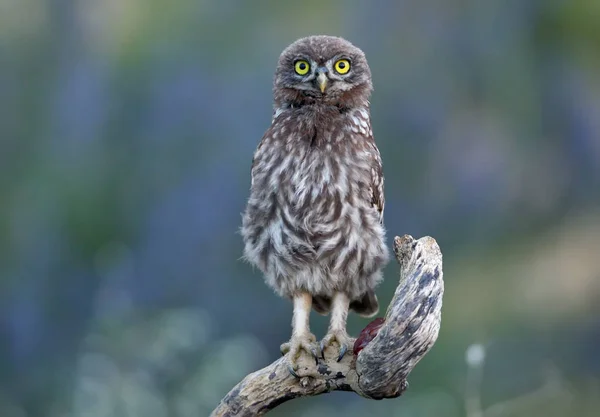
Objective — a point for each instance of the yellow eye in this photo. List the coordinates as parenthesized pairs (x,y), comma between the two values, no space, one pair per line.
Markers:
(302,67)
(342,66)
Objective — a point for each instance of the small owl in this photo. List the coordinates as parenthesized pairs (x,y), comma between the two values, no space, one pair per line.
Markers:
(313,223)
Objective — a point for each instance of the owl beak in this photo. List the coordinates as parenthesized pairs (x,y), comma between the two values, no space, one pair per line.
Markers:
(322,81)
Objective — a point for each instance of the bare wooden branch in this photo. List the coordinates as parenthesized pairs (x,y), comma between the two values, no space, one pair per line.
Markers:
(411,326)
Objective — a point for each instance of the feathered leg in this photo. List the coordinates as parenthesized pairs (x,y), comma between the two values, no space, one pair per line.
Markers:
(302,338)
(337,325)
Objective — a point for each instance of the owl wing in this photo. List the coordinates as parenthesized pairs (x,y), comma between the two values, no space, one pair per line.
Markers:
(377,196)
(258,155)
(260,149)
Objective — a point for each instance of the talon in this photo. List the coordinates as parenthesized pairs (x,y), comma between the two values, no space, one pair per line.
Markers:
(322,346)
(315,354)
(341,338)
(292,351)
(292,372)
(343,350)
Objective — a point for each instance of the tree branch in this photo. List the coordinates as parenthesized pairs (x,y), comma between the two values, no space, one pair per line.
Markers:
(411,326)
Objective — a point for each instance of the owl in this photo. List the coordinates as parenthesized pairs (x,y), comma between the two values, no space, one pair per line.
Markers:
(314,220)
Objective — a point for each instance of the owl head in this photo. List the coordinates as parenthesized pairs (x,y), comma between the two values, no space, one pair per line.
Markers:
(323,69)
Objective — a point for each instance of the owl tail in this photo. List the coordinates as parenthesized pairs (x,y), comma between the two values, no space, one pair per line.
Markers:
(321,304)
(367,305)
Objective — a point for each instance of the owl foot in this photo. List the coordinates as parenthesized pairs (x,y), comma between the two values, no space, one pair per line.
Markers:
(342,339)
(306,342)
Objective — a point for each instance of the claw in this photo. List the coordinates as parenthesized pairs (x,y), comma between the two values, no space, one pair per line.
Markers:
(292,372)
(315,354)
(342,339)
(343,350)
(293,348)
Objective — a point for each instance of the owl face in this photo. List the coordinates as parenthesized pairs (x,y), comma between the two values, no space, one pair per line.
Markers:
(322,68)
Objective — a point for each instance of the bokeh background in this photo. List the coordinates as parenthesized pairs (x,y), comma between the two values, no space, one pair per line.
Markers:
(127,129)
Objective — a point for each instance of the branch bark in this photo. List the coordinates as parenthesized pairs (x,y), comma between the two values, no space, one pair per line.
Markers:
(411,327)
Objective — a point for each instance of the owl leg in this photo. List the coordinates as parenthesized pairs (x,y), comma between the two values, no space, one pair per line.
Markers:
(337,325)
(302,338)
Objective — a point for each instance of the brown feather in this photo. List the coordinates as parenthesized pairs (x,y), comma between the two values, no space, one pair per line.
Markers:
(313,222)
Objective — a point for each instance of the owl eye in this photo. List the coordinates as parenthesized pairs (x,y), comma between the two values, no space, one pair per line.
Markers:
(301,67)
(342,66)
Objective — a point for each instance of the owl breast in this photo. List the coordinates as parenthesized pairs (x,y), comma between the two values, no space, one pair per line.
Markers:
(310,224)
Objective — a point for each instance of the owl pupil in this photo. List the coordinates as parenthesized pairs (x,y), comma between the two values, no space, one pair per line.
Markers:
(342,65)
(302,66)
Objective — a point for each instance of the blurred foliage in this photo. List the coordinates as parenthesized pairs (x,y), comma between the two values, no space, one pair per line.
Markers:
(126,134)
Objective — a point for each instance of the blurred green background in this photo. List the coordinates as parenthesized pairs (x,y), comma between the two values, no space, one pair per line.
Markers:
(127,129)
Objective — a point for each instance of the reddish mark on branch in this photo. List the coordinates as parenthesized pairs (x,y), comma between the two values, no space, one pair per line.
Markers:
(367,334)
